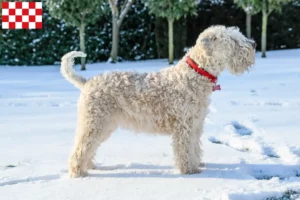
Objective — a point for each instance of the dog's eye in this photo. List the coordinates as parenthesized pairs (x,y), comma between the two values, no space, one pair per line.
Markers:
(214,38)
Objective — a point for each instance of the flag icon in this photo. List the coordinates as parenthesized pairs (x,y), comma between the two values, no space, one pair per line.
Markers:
(22,15)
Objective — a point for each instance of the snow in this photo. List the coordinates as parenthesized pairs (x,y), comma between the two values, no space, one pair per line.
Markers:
(251,139)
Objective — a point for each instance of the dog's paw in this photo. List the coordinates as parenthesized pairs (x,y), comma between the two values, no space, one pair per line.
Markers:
(91,165)
(195,171)
(190,171)
(76,173)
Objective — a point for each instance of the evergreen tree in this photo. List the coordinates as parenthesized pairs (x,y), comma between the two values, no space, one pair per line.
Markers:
(250,7)
(117,19)
(267,7)
(172,10)
(77,13)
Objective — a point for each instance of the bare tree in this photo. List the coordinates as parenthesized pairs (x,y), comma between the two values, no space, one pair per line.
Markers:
(172,10)
(118,15)
(267,7)
(76,13)
(250,7)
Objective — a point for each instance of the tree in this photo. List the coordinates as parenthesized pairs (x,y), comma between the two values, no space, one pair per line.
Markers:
(250,7)
(76,13)
(117,19)
(172,10)
(267,7)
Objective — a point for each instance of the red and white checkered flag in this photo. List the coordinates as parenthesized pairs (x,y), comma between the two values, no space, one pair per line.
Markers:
(22,15)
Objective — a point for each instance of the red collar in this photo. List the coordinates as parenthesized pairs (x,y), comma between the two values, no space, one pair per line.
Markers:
(202,72)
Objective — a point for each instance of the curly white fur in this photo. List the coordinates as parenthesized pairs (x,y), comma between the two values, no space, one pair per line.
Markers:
(173,101)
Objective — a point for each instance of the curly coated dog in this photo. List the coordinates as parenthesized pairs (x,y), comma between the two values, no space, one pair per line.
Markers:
(173,101)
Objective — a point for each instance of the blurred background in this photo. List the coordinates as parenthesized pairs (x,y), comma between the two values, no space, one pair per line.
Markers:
(144,30)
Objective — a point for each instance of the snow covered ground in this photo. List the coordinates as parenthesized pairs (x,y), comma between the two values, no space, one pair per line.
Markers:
(251,141)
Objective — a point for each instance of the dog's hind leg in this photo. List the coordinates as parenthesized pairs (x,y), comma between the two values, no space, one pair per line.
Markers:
(92,130)
(103,135)
(86,144)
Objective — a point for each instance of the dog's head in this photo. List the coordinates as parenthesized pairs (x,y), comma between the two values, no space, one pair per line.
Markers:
(227,48)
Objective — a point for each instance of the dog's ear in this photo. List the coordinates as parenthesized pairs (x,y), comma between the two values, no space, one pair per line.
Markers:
(207,42)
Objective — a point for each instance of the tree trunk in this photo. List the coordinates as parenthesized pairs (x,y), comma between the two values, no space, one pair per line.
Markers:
(264,30)
(171,41)
(82,44)
(248,24)
(157,36)
(115,40)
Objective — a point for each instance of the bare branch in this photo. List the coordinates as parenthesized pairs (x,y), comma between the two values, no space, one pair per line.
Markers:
(270,11)
(113,7)
(124,4)
(244,7)
(125,11)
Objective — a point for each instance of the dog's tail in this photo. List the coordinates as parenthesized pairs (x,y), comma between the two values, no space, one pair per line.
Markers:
(67,62)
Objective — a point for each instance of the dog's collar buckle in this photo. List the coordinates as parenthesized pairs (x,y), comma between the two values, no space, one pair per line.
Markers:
(202,72)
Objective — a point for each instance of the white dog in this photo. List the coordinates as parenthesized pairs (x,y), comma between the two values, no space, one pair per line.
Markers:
(173,101)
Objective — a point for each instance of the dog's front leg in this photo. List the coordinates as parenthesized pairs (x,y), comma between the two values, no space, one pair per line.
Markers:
(185,148)
(197,146)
